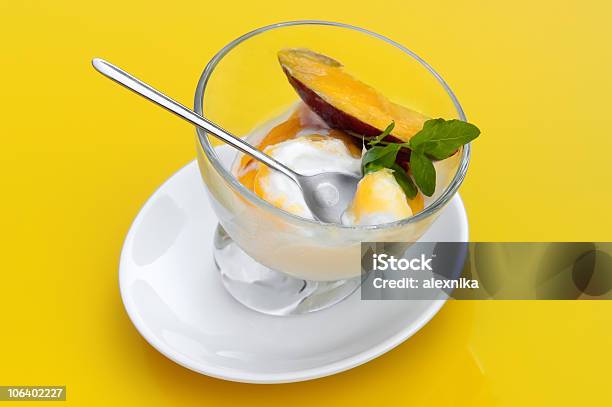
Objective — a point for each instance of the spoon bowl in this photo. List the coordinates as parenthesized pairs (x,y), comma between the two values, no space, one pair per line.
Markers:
(332,193)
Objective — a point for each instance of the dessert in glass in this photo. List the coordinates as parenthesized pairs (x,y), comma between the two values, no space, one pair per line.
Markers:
(322,97)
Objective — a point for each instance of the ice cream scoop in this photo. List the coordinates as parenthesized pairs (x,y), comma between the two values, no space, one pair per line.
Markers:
(379,199)
(309,154)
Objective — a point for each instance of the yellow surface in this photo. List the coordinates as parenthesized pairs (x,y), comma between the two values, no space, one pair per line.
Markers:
(79,157)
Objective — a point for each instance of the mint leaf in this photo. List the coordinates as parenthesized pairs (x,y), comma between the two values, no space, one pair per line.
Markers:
(428,130)
(423,172)
(440,138)
(372,167)
(404,181)
(382,135)
(382,156)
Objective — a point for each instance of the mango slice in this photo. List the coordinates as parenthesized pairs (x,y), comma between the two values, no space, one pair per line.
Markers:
(343,102)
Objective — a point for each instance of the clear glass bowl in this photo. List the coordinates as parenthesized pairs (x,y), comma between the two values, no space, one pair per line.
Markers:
(273,261)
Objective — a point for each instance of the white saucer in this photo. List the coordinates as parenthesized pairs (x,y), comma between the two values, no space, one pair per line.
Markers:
(174,296)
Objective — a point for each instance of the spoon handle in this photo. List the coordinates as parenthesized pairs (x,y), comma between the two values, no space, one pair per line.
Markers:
(120,76)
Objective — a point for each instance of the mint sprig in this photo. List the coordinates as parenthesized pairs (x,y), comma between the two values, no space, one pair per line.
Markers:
(384,134)
(438,139)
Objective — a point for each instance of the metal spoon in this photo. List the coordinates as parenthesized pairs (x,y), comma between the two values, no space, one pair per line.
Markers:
(327,194)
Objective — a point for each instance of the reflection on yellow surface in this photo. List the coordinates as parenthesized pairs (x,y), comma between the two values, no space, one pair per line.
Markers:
(80,157)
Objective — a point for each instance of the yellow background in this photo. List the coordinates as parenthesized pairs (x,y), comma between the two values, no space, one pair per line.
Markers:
(79,157)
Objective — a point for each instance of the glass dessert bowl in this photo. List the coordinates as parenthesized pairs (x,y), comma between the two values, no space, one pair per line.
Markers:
(274,258)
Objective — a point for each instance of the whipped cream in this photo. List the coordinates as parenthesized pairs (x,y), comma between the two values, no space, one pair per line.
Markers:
(310,153)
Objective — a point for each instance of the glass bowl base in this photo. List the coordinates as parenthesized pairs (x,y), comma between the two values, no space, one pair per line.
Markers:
(271,292)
